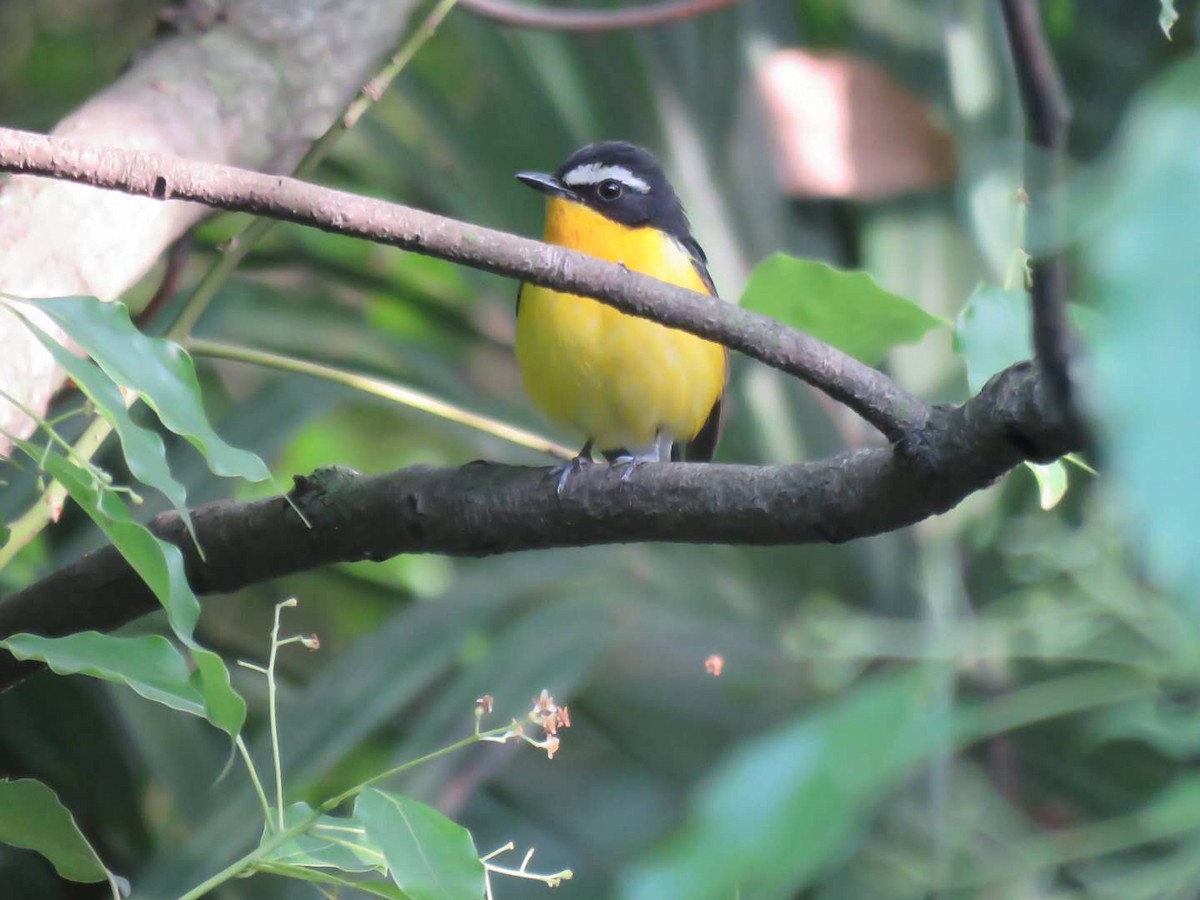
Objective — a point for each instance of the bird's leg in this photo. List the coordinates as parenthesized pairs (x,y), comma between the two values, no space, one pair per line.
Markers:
(572,466)
(659,451)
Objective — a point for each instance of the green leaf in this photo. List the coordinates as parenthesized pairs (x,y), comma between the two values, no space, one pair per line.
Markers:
(143,449)
(993,332)
(160,565)
(783,805)
(846,309)
(330,843)
(223,706)
(159,370)
(31,816)
(318,876)
(1168,15)
(429,856)
(1173,731)
(384,889)
(156,562)
(149,664)
(1052,483)
(1139,264)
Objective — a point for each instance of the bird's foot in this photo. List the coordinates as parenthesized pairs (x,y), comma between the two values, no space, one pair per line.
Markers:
(572,467)
(659,451)
(566,470)
(628,464)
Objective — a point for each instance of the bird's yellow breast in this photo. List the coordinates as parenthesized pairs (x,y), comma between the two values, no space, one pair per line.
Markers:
(619,379)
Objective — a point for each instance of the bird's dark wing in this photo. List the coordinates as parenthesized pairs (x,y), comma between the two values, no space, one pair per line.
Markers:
(702,447)
(699,261)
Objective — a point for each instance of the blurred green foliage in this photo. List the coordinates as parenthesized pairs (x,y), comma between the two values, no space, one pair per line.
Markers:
(1135,273)
(848,310)
(1000,702)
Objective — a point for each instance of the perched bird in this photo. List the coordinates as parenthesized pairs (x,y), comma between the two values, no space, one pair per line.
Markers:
(635,389)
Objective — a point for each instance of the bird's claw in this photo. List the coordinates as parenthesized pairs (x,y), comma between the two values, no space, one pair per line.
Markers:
(567,469)
(629,464)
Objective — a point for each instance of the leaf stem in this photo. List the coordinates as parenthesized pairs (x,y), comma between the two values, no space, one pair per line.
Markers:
(551,879)
(272,709)
(279,838)
(54,438)
(475,738)
(45,509)
(379,387)
(378,85)
(257,782)
(238,866)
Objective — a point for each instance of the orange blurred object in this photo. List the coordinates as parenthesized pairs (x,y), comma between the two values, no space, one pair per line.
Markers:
(714,664)
(842,128)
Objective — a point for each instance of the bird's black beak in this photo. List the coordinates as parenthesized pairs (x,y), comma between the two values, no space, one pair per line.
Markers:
(547,184)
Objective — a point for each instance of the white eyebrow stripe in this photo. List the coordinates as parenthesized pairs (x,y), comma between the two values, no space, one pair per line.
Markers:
(594,173)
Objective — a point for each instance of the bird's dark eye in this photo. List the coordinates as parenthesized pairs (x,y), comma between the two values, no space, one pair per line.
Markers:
(609,190)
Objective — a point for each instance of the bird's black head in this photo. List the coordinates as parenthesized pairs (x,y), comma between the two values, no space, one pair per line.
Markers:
(621,181)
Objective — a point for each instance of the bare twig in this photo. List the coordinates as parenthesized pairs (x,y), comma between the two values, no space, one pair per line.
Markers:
(483,509)
(380,387)
(870,393)
(547,18)
(1048,112)
(256,230)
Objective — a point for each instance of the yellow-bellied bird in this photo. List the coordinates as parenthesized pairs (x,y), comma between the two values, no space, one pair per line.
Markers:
(635,389)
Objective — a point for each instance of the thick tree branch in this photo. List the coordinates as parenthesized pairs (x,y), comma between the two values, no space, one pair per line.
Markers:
(1048,112)
(484,509)
(545,18)
(870,393)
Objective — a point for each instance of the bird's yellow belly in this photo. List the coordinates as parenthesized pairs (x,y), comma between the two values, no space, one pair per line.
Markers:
(619,379)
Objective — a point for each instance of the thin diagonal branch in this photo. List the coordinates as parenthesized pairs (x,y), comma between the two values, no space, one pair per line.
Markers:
(1048,111)
(545,18)
(380,387)
(870,393)
(482,509)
